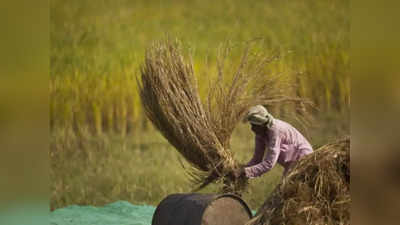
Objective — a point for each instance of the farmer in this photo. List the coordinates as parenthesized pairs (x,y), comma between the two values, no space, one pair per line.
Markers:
(275,141)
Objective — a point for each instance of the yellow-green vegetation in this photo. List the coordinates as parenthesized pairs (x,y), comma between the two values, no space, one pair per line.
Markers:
(97,47)
(101,146)
(142,169)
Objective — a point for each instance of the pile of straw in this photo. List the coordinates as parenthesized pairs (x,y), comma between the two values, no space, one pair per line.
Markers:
(201,132)
(316,191)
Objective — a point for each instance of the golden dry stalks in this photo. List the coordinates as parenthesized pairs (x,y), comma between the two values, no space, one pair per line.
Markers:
(169,95)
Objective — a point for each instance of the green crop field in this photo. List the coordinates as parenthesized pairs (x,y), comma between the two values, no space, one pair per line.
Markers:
(102,147)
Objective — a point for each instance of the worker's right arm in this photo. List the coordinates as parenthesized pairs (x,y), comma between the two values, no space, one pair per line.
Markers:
(258,150)
(270,159)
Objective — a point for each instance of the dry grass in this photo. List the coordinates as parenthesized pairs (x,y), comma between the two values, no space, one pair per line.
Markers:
(169,94)
(316,191)
(168,91)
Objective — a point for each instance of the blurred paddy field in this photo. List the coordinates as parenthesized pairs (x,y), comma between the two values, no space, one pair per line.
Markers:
(102,147)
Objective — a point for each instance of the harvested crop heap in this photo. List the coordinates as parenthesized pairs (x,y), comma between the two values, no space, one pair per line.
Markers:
(201,132)
(316,191)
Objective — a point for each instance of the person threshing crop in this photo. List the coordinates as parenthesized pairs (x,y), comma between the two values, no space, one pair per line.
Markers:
(275,142)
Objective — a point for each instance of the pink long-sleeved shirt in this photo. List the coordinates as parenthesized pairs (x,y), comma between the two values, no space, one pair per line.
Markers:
(282,143)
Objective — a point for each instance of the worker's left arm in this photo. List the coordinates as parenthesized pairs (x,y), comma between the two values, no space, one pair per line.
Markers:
(270,159)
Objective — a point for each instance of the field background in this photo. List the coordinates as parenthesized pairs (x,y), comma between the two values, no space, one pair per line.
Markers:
(102,147)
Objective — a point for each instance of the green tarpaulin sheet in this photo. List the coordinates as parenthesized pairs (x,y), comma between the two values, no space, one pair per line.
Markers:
(117,213)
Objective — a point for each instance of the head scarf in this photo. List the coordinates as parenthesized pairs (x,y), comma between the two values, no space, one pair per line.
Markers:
(259,115)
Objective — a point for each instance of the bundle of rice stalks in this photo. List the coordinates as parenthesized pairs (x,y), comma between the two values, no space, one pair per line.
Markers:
(170,98)
(316,190)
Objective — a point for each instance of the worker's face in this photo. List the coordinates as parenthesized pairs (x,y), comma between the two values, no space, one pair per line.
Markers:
(258,129)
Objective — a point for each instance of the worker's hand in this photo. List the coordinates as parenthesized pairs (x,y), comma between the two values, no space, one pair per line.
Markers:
(240,172)
(237,174)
